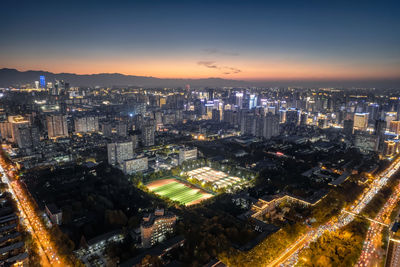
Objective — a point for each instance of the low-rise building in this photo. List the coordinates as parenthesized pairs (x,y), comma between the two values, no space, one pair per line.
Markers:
(187,154)
(135,165)
(54,213)
(155,226)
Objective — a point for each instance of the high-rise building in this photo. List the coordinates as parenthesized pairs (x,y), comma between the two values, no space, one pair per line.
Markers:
(23,135)
(360,121)
(348,127)
(393,248)
(148,135)
(373,111)
(390,148)
(395,127)
(155,227)
(248,124)
(187,154)
(216,115)
(106,128)
(121,128)
(380,126)
(86,124)
(292,116)
(42,81)
(57,126)
(252,101)
(239,100)
(390,116)
(119,152)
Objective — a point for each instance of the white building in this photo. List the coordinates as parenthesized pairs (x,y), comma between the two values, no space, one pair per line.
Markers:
(135,165)
(187,154)
(119,152)
(86,124)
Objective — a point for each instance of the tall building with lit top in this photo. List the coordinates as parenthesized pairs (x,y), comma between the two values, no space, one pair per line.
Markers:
(360,121)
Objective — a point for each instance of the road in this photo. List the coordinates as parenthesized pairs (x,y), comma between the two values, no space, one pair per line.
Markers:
(33,223)
(371,251)
(289,256)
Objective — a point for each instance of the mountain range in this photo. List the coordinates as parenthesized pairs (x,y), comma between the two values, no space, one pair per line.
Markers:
(13,77)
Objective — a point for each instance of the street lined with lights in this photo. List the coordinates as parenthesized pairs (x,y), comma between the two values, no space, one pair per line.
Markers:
(290,255)
(33,223)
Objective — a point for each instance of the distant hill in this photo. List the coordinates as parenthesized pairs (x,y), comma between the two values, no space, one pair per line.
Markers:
(13,77)
(10,77)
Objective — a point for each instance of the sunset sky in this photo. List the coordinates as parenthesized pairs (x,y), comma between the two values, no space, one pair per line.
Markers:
(247,40)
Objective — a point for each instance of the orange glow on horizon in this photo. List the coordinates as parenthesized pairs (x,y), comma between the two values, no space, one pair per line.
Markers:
(256,70)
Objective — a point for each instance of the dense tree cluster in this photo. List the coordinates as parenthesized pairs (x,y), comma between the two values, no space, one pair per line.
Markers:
(337,248)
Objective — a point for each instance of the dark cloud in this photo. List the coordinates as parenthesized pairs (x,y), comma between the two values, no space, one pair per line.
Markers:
(208,64)
(213,51)
(224,69)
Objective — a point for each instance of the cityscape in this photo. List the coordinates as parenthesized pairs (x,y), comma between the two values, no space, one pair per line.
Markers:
(199,133)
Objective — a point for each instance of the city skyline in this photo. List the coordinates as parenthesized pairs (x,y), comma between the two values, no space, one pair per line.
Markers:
(257,41)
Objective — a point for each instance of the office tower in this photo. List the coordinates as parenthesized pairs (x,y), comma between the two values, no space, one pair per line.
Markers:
(187,154)
(292,116)
(239,100)
(303,118)
(390,116)
(148,135)
(395,127)
(348,127)
(210,94)
(118,152)
(252,101)
(154,227)
(199,107)
(134,165)
(163,101)
(361,121)
(282,115)
(380,126)
(57,126)
(42,81)
(228,116)
(373,111)
(86,124)
(216,115)
(390,148)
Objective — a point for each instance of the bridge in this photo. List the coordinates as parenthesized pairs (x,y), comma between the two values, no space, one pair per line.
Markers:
(369,219)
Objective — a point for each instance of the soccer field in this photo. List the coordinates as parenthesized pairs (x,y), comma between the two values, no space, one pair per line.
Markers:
(178,191)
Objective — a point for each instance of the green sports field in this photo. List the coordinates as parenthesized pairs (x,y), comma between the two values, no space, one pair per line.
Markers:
(177,191)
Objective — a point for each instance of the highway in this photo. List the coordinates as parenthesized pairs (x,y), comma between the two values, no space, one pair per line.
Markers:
(289,256)
(32,222)
(370,255)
